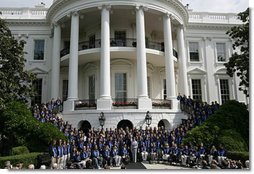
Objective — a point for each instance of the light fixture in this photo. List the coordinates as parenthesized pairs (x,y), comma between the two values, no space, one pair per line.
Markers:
(148,118)
(102,119)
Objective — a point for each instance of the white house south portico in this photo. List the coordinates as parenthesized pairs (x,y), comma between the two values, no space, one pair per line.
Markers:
(104,101)
(123,58)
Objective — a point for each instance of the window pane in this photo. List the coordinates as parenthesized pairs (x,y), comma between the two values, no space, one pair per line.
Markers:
(37,85)
(120,37)
(120,87)
(221,52)
(194,53)
(196,89)
(39,49)
(148,86)
(92,41)
(65,90)
(164,89)
(224,87)
(92,87)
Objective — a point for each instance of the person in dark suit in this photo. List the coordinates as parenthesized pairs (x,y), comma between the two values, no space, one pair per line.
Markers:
(106,156)
(60,154)
(96,157)
(116,157)
(53,153)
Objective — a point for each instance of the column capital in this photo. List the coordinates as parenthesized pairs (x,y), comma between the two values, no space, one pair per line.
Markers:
(141,7)
(170,16)
(105,6)
(55,24)
(74,13)
(181,26)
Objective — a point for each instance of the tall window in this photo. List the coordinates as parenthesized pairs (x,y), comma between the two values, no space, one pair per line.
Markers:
(164,89)
(65,90)
(148,87)
(196,89)
(120,37)
(120,87)
(91,87)
(37,85)
(224,90)
(221,52)
(194,53)
(39,49)
(92,41)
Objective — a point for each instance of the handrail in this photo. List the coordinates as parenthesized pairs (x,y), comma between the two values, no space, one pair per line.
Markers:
(125,102)
(127,42)
(85,104)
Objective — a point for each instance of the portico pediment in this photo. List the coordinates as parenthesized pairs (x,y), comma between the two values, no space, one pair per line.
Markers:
(196,71)
(38,70)
(221,71)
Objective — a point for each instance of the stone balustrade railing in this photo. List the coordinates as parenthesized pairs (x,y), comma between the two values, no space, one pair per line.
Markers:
(194,17)
(23,13)
(205,17)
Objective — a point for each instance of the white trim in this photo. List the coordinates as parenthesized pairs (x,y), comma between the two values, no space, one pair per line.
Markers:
(200,52)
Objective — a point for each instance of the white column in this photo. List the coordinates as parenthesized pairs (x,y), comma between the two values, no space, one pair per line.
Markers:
(105,101)
(73,63)
(55,79)
(169,62)
(183,82)
(143,101)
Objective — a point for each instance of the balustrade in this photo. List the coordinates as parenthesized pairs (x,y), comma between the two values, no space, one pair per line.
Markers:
(128,42)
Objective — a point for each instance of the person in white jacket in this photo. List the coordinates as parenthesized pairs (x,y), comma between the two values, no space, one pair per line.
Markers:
(134,149)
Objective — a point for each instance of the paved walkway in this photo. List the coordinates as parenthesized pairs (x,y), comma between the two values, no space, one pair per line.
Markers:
(146,165)
(162,166)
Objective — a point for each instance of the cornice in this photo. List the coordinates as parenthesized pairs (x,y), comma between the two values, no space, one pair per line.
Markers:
(176,4)
(206,26)
(30,22)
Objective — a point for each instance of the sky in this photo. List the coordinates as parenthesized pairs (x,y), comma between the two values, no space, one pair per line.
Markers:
(225,6)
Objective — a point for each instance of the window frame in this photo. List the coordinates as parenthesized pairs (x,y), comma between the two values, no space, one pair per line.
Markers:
(225,52)
(198,51)
(34,49)
(124,99)
(200,89)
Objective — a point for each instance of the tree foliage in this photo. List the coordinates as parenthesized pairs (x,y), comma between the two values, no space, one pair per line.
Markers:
(239,62)
(19,128)
(228,126)
(16,83)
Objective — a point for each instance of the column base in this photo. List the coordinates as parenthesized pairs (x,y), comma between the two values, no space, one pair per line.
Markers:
(104,104)
(144,103)
(69,105)
(174,103)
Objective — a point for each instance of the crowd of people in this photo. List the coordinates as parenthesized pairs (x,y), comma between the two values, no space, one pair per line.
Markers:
(103,148)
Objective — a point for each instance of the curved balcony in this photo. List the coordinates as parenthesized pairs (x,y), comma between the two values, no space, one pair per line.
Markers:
(128,42)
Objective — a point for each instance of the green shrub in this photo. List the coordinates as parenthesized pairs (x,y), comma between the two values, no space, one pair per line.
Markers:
(243,156)
(232,141)
(229,126)
(30,158)
(205,133)
(20,128)
(19,150)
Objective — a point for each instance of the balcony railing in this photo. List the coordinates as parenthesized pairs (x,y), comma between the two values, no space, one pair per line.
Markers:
(161,104)
(121,103)
(125,103)
(128,42)
(85,104)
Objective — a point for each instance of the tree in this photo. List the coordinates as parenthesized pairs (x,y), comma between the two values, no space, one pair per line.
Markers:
(239,62)
(19,128)
(16,83)
(228,126)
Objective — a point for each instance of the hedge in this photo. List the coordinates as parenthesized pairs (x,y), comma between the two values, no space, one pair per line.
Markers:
(19,150)
(30,158)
